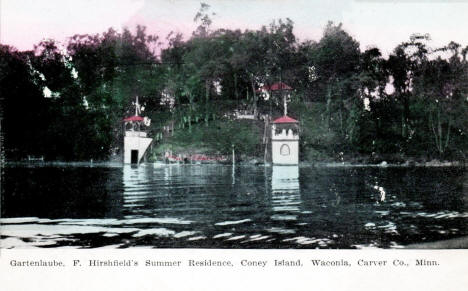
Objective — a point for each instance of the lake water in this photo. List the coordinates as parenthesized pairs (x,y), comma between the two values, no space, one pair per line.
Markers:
(217,206)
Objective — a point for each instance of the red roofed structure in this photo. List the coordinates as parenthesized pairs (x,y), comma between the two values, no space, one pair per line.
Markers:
(136,140)
(285,119)
(276,87)
(134,118)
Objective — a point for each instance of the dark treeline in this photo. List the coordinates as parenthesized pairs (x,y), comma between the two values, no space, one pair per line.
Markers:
(67,103)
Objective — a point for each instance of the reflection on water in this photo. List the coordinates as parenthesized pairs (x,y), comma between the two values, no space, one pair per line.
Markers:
(285,194)
(285,179)
(214,206)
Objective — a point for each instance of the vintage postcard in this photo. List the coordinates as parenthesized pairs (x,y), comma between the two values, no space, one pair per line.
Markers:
(234,145)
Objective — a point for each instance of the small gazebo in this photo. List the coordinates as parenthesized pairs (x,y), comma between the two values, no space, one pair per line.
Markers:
(277,88)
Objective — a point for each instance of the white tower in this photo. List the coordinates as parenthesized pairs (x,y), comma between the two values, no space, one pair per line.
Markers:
(285,141)
(136,141)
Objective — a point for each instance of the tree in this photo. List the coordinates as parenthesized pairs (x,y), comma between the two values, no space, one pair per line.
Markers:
(23,106)
(441,86)
(376,130)
(335,60)
(203,17)
(402,66)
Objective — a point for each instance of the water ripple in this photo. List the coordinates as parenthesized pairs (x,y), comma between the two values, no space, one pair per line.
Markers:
(233,222)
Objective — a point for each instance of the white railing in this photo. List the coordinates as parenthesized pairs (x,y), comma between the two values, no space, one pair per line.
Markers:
(135,134)
(243,114)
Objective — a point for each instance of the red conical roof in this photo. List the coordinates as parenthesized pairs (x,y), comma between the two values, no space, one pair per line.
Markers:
(285,119)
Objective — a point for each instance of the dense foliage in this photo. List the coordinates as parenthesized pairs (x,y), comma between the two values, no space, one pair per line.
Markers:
(67,102)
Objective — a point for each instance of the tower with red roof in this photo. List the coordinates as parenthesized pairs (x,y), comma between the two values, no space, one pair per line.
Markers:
(136,141)
(285,141)
(284,131)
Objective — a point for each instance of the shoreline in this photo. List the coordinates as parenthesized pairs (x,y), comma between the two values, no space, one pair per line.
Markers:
(252,162)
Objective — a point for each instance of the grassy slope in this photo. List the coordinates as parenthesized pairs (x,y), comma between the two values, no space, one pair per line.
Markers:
(215,138)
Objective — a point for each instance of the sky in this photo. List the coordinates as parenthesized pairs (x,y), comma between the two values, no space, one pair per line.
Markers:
(380,23)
